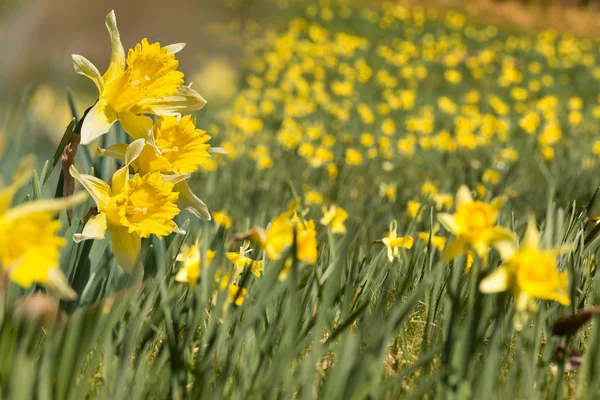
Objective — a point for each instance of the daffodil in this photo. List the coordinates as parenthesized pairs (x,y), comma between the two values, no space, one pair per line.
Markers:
(29,245)
(191,259)
(473,225)
(222,219)
(146,81)
(335,217)
(175,149)
(438,242)
(280,236)
(528,272)
(393,242)
(241,261)
(129,208)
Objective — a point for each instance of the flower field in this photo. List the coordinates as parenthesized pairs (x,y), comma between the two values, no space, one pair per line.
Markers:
(368,201)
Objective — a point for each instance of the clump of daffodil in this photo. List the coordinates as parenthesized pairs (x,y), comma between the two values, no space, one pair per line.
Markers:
(241,261)
(528,272)
(335,217)
(146,81)
(191,259)
(29,245)
(473,225)
(174,148)
(393,242)
(130,209)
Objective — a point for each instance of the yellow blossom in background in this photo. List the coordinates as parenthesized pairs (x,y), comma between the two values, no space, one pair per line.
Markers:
(353,157)
(334,217)
(473,225)
(222,219)
(145,82)
(191,259)
(29,244)
(528,272)
(241,261)
(313,197)
(393,242)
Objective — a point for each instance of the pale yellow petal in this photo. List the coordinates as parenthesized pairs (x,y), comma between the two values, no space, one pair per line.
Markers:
(532,236)
(97,188)
(463,196)
(185,100)
(96,123)
(506,248)
(190,202)
(57,283)
(120,179)
(454,248)
(44,205)
(495,282)
(448,222)
(126,248)
(134,150)
(117,57)
(115,151)
(136,126)
(84,67)
(175,48)
(95,228)
(21,176)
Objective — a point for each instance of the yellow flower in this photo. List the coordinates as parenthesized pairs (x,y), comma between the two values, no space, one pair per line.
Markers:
(222,219)
(280,236)
(235,295)
(353,157)
(130,209)
(335,216)
(528,272)
(313,197)
(438,242)
(191,257)
(240,261)
(473,225)
(144,82)
(393,243)
(178,150)
(29,245)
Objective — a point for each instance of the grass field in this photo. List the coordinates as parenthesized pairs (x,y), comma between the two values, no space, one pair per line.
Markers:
(402,201)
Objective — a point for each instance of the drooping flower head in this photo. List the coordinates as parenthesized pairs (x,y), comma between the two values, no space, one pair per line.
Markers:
(474,225)
(528,272)
(145,82)
(130,209)
(29,245)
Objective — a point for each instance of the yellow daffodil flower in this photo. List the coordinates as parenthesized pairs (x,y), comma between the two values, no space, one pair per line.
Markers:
(130,209)
(335,216)
(145,82)
(241,261)
(438,242)
(175,148)
(29,245)
(222,219)
(528,272)
(473,225)
(393,242)
(191,258)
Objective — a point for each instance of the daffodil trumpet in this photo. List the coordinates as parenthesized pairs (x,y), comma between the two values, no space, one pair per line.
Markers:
(130,208)
(145,81)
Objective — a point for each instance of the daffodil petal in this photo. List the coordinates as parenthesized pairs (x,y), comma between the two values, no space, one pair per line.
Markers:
(506,248)
(126,248)
(95,228)
(136,126)
(175,48)
(463,196)
(448,222)
(117,57)
(532,236)
(97,188)
(134,150)
(96,123)
(45,205)
(120,179)
(185,100)
(84,67)
(495,282)
(115,151)
(57,283)
(454,248)
(21,176)
(190,202)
